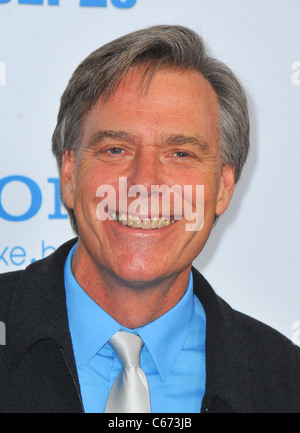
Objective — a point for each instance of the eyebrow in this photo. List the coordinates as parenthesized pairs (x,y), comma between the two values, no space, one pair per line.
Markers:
(173,139)
(182,139)
(99,136)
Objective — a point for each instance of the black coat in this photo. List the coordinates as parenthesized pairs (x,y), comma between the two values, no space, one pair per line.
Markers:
(249,366)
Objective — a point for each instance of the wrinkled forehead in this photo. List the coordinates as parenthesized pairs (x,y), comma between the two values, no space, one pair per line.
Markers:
(146,84)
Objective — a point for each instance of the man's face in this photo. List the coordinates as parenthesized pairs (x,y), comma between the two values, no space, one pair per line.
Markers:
(167,135)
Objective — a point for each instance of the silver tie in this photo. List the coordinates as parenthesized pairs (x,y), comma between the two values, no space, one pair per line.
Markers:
(130,391)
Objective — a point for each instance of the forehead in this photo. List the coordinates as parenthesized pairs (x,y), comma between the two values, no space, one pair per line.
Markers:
(168,100)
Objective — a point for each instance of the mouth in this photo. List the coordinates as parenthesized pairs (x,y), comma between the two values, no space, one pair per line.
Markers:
(141,223)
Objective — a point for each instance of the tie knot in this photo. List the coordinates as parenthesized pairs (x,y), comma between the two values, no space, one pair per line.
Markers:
(128,348)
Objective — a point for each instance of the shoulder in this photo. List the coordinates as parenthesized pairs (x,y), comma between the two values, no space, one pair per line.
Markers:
(8,284)
(257,335)
(8,279)
(257,360)
(273,362)
(262,337)
(265,342)
(269,353)
(47,271)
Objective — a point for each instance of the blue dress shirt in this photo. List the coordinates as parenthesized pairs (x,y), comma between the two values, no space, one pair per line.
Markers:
(173,357)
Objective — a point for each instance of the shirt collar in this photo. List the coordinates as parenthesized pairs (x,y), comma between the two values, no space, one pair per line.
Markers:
(91,327)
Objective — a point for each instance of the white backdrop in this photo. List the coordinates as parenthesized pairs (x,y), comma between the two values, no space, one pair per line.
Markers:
(252,257)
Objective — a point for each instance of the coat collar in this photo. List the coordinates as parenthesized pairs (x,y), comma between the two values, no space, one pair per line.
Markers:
(38,312)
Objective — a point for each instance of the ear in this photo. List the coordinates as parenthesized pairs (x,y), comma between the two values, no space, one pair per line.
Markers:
(68,177)
(226,188)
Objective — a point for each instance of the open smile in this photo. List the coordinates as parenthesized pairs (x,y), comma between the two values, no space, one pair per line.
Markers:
(142,223)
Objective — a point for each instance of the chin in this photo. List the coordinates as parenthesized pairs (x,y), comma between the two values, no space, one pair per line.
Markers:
(137,277)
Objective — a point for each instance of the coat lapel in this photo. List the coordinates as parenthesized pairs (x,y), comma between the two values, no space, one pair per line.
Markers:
(227,368)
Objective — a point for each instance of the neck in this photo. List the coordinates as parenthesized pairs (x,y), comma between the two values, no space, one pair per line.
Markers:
(131,303)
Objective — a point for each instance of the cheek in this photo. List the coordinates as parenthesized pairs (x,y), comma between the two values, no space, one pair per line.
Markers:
(85,195)
(96,192)
(206,183)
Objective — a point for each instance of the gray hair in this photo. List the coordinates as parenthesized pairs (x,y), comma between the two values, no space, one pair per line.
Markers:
(153,48)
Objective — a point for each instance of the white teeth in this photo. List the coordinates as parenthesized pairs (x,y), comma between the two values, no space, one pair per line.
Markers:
(136,222)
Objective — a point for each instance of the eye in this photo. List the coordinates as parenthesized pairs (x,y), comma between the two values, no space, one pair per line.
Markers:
(115,150)
(181,154)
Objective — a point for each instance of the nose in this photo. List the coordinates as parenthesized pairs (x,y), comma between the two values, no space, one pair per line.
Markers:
(147,169)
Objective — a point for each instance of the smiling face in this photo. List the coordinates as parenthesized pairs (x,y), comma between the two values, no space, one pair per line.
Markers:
(167,135)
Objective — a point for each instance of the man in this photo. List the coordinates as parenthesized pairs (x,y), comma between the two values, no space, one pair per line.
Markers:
(150,109)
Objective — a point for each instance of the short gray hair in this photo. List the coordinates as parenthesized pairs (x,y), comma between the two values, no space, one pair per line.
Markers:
(153,48)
